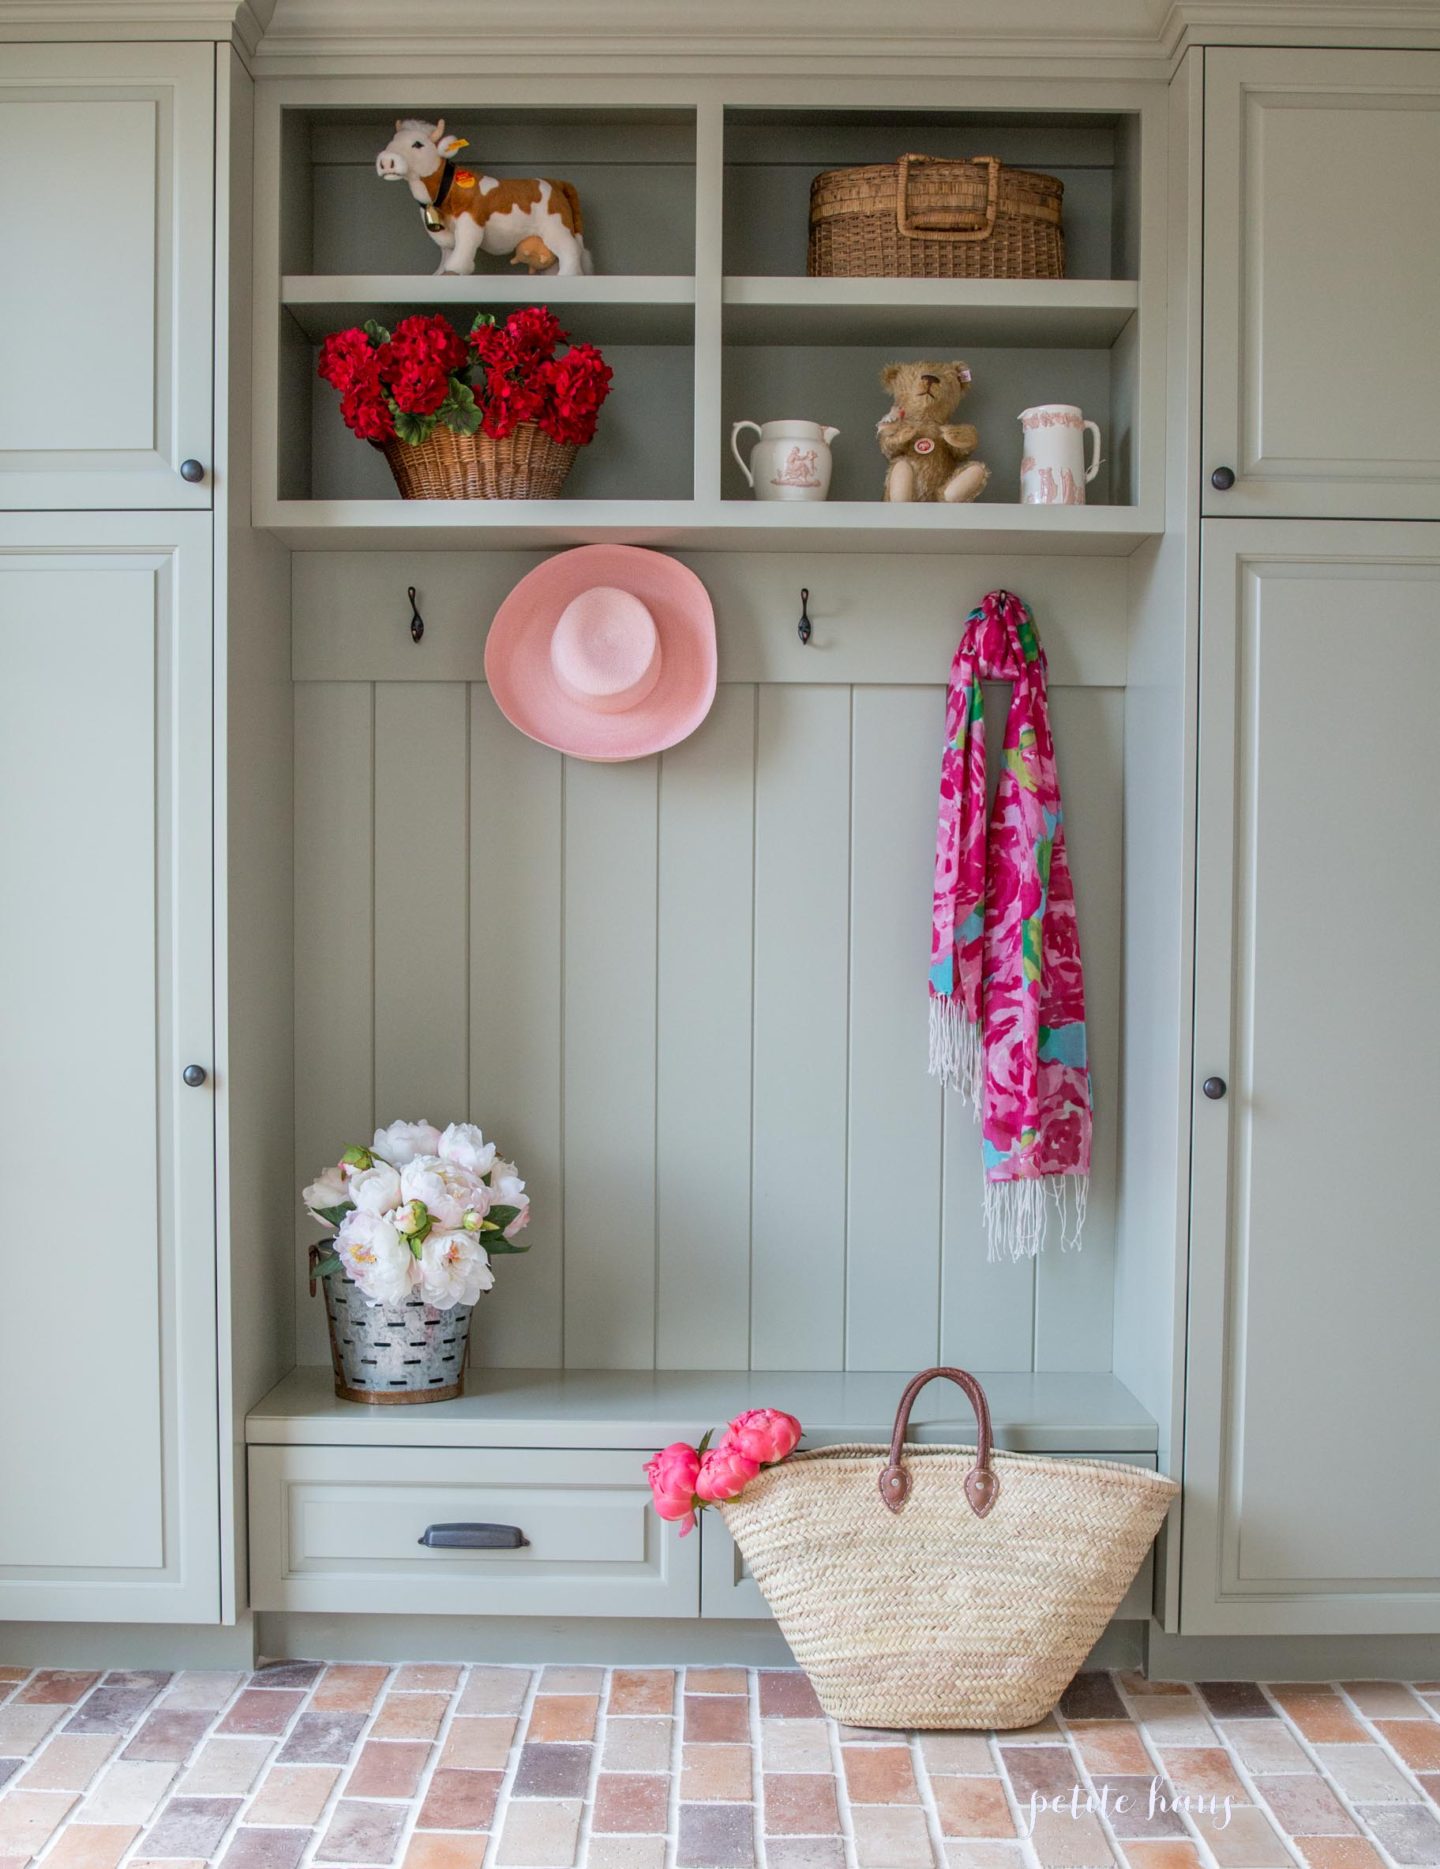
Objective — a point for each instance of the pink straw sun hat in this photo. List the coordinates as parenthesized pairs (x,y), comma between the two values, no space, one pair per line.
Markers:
(605,652)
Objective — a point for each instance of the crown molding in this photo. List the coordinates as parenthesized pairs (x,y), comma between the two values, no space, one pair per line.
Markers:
(238,22)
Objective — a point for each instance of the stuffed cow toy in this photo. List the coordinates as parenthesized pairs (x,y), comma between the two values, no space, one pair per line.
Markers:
(537,222)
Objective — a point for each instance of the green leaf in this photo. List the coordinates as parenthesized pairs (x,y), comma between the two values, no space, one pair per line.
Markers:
(705,1440)
(324,1267)
(501,1244)
(500,1217)
(333,1215)
(482,320)
(460,410)
(376,333)
(414,428)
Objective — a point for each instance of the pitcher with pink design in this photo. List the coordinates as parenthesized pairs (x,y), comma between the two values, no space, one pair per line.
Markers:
(1052,465)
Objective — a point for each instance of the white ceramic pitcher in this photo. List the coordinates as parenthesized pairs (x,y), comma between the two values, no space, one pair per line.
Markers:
(1052,465)
(790,461)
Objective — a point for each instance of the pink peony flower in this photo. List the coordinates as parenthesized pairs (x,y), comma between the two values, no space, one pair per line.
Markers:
(763,1434)
(672,1475)
(724,1473)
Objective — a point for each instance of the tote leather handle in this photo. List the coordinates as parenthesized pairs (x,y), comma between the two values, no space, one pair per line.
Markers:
(982,1483)
(961,225)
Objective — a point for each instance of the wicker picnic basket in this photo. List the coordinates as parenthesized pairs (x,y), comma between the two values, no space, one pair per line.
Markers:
(931,217)
(523,465)
(944,1586)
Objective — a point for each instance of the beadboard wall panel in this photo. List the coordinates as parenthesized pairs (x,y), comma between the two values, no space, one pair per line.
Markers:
(699,1022)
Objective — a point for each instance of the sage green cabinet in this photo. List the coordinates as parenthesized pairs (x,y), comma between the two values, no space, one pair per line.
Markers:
(108,1459)
(107,186)
(1321,281)
(1312,1463)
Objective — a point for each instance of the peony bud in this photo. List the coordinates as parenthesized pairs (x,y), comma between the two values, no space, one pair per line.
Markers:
(357,1158)
(724,1473)
(763,1434)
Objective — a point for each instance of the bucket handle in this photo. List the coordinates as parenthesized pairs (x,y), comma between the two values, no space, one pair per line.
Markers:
(962,224)
(982,1483)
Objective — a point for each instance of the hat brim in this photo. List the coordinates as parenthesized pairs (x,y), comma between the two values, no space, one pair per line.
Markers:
(522,680)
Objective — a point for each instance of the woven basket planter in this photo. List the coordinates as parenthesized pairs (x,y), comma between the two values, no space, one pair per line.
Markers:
(925,217)
(391,1353)
(944,1586)
(525,465)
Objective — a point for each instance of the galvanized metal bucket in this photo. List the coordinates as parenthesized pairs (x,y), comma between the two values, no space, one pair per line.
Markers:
(394,1352)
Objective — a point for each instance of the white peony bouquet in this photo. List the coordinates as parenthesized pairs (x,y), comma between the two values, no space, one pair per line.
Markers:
(419,1212)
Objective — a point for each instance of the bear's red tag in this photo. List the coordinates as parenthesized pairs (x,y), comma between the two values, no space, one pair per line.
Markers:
(925,445)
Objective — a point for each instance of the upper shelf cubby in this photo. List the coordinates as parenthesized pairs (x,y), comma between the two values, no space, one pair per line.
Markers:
(634,171)
(772,156)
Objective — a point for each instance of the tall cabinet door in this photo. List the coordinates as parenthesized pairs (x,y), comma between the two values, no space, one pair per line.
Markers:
(108,1458)
(107,184)
(1312,1461)
(1322,278)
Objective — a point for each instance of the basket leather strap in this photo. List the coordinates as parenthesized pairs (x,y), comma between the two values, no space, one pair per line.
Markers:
(982,1483)
(958,226)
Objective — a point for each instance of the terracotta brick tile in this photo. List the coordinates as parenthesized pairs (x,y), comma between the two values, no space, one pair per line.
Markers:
(966,1753)
(642,1690)
(1111,1746)
(864,1735)
(891,1837)
(801,1804)
(29,1818)
(91,1846)
(1417,1742)
(1386,1700)
(562,1716)
(539,1832)
(407,1716)
(162,1862)
(226,1767)
(363,1836)
(1093,1697)
(553,1771)
(431,1849)
(323,1738)
(716,1836)
(981,1853)
(1138,1807)
(1430,1785)
(127,1792)
(587,1681)
(1203,1772)
(1350,1852)
(1168,1854)
(388,1768)
(631,1801)
(56,1686)
(13,1674)
(795,1746)
(1319,1713)
(1065,1842)
(1366,1774)
(1304,1805)
(786,1694)
(431,1677)
(1043,1730)
(1266,1746)
(460,1800)
(622,1852)
(1044,1771)
(23,1728)
(346,1687)
(1141,1684)
(1408,1833)
(637,1744)
(301,1674)
(201,1689)
(1169,1720)
(479,1742)
(1235,1700)
(972,1807)
(494,1690)
(716,1681)
(167,1735)
(1244,1840)
(266,1849)
(292,1794)
(69,1761)
(716,1718)
(191,1827)
(261,1710)
(709,1773)
(8,1769)
(879,1775)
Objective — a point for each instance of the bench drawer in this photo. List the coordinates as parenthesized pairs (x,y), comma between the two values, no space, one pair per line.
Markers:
(339,1529)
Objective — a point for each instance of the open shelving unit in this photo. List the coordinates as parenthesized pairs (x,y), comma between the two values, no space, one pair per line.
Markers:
(697,213)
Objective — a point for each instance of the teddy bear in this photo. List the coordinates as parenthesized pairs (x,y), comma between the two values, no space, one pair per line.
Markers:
(929,456)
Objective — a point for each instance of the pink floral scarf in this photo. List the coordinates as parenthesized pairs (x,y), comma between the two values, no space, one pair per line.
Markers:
(1007,995)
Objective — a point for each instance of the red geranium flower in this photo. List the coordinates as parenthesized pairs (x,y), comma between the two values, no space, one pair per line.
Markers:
(366,408)
(419,386)
(428,339)
(535,329)
(342,355)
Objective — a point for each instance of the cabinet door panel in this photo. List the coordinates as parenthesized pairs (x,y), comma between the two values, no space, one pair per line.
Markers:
(106,295)
(107,1333)
(1322,269)
(1312,1467)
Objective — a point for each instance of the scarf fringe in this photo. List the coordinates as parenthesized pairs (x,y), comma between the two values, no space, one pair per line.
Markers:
(956,1053)
(1017,1214)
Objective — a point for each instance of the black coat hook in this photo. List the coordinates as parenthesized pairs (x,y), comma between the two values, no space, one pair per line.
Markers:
(417,622)
(803,627)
